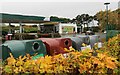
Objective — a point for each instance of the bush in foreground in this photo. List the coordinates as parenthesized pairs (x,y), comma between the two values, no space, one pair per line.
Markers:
(73,62)
(112,47)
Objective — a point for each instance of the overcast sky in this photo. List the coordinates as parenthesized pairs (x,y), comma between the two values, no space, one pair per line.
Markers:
(53,8)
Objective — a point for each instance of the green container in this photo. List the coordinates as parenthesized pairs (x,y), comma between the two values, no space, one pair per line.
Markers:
(21,47)
(111,33)
(37,56)
(4,52)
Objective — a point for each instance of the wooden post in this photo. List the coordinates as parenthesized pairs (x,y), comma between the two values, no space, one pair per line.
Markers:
(9,32)
(20,36)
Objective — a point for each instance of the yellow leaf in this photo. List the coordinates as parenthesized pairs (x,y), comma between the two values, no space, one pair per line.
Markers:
(11,60)
(21,69)
(11,55)
(110,64)
(16,70)
(88,64)
(66,50)
(100,55)
(83,44)
(60,67)
(71,48)
(82,68)
(86,51)
(96,61)
(24,58)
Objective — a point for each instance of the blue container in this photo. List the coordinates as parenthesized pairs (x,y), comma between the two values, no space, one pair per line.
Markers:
(76,43)
(94,39)
(84,38)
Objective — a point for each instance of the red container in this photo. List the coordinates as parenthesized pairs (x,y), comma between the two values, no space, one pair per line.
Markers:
(64,42)
(56,46)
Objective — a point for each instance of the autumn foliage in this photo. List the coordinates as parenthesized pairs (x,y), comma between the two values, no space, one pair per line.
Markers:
(112,47)
(73,62)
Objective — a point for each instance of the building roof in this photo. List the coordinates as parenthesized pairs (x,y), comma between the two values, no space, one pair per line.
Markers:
(50,23)
(13,18)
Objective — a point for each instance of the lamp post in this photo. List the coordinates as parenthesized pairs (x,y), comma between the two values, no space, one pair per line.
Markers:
(107,18)
(107,11)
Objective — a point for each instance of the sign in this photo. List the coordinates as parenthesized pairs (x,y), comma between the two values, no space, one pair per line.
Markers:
(67,29)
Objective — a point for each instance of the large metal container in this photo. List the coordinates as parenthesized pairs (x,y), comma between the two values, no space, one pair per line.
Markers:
(94,39)
(21,47)
(56,45)
(85,38)
(64,42)
(4,52)
(76,43)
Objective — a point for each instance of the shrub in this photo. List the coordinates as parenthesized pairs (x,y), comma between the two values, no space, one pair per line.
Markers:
(24,36)
(112,47)
(73,62)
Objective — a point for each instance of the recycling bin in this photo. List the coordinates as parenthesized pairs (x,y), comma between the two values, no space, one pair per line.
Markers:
(94,39)
(56,45)
(84,38)
(52,46)
(4,52)
(64,42)
(23,47)
(76,43)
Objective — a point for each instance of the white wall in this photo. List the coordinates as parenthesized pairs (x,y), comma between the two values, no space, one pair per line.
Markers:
(93,23)
(66,24)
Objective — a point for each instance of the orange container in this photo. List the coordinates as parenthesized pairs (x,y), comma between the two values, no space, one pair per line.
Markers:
(56,46)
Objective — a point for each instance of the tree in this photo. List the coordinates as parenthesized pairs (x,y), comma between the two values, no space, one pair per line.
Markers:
(113,18)
(84,19)
(57,19)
